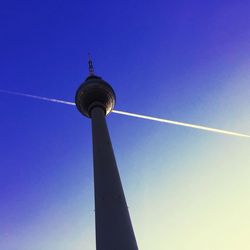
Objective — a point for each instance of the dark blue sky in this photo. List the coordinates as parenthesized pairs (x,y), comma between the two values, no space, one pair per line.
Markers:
(185,60)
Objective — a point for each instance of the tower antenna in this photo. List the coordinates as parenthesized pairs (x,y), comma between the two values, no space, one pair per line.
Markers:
(91,67)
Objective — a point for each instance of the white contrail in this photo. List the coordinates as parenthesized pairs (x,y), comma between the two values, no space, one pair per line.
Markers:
(181,124)
(133,115)
(37,97)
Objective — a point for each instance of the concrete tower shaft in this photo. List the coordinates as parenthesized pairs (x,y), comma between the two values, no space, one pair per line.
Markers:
(113,225)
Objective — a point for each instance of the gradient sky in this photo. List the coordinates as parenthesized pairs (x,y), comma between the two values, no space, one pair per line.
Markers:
(182,60)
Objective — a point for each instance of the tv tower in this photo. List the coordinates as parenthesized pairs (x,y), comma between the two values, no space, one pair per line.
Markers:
(95,99)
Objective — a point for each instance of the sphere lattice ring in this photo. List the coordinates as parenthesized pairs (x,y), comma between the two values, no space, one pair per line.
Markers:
(95,92)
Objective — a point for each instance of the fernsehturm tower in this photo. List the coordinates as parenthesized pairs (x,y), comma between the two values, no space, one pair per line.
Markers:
(95,99)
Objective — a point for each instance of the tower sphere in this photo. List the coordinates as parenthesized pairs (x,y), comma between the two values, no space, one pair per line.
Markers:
(92,93)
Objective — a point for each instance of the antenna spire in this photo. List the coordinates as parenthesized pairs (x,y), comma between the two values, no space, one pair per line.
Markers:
(91,67)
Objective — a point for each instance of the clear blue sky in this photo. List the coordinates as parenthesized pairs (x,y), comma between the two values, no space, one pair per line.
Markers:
(180,60)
